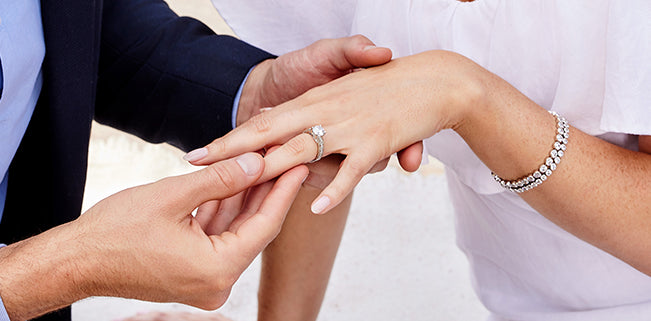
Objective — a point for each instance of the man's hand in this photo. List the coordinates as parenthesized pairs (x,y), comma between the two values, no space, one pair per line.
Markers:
(144,243)
(276,81)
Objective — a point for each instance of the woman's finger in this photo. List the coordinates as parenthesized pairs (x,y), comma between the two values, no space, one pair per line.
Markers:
(298,150)
(269,128)
(351,172)
(379,166)
(411,157)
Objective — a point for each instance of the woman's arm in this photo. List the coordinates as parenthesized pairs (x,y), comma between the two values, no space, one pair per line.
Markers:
(600,192)
(296,266)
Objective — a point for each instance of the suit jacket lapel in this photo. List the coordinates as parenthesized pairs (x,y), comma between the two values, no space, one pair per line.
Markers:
(47,175)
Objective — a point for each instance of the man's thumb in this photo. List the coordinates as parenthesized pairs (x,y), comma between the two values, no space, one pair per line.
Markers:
(222,179)
(360,52)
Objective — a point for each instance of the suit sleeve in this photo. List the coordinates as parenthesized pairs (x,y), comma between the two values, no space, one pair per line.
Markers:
(166,78)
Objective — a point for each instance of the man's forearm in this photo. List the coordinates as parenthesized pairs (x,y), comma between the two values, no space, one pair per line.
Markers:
(40,274)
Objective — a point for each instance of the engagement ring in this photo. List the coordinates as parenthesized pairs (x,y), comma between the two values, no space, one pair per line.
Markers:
(317,132)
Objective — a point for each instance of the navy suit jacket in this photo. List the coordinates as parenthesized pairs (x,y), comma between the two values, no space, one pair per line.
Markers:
(130,64)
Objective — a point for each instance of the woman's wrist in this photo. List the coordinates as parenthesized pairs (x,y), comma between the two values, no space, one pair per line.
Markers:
(506,130)
(467,95)
(472,107)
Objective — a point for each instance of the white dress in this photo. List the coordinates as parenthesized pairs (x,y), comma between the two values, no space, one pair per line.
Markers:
(588,60)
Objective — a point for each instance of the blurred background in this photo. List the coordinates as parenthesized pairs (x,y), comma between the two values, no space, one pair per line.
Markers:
(397,261)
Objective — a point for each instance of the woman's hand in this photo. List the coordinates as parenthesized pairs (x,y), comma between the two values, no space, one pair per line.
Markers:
(368,115)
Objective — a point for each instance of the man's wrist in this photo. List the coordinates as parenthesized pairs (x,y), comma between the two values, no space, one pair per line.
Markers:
(40,275)
(238,97)
(253,92)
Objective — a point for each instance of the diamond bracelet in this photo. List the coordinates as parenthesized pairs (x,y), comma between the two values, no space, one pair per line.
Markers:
(545,170)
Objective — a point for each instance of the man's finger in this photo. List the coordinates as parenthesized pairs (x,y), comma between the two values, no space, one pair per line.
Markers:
(206,213)
(257,231)
(345,54)
(362,52)
(215,182)
(216,216)
(255,197)
(228,211)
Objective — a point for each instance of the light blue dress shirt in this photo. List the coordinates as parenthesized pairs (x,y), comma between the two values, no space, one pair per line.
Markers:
(22,50)
(236,101)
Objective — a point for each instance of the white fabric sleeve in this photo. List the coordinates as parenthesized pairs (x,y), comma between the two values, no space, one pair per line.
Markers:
(627,100)
(282,26)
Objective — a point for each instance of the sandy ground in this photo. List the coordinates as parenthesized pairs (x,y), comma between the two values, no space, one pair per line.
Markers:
(397,261)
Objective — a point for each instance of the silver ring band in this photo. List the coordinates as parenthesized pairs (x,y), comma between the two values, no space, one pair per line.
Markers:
(317,132)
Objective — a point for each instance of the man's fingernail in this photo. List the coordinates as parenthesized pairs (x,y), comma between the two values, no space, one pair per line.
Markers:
(249,163)
(320,205)
(196,154)
(262,110)
(369,48)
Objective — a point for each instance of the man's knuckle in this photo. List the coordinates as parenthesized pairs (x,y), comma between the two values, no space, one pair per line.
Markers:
(220,175)
(358,37)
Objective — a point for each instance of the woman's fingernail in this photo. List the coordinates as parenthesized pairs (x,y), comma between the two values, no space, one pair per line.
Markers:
(320,205)
(196,154)
(249,163)
(369,48)
(262,110)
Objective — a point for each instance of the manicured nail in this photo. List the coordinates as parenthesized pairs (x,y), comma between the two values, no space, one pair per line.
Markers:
(196,154)
(369,48)
(249,163)
(320,205)
(262,110)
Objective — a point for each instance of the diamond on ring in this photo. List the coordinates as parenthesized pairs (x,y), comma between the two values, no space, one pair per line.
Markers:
(317,132)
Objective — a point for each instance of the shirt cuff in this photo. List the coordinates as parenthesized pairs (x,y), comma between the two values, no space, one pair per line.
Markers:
(236,103)
(3,312)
